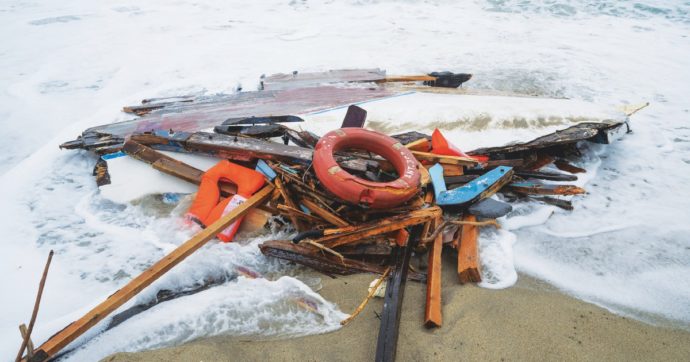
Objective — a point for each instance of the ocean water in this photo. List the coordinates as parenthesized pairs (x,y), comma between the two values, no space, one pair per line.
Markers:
(68,66)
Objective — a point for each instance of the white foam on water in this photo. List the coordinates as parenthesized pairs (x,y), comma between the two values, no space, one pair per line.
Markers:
(68,66)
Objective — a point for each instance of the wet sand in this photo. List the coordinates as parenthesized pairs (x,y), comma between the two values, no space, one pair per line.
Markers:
(530,321)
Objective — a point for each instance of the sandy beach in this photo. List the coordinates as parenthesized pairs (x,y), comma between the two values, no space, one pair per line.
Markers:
(530,321)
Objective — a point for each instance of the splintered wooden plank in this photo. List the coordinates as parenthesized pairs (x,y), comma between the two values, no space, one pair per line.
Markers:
(297,223)
(324,214)
(533,188)
(61,339)
(354,234)
(564,165)
(323,262)
(244,148)
(468,253)
(443,159)
(432,313)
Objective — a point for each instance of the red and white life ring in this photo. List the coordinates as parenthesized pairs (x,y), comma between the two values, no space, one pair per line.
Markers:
(377,195)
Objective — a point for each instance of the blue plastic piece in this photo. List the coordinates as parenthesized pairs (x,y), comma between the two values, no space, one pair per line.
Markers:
(466,193)
(265,169)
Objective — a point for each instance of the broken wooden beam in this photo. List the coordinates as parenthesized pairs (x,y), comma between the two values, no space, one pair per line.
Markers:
(432,312)
(323,213)
(534,188)
(468,253)
(564,165)
(323,262)
(444,159)
(350,235)
(61,339)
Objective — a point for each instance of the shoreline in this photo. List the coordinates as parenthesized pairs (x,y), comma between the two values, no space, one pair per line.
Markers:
(529,321)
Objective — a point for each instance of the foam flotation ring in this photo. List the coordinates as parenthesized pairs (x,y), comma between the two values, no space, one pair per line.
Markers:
(206,207)
(356,190)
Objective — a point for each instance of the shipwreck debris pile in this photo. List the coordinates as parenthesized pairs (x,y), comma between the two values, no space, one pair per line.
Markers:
(359,201)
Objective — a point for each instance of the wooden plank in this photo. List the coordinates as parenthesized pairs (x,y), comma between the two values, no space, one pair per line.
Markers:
(324,214)
(564,165)
(289,202)
(323,262)
(407,78)
(61,339)
(541,161)
(171,166)
(533,188)
(468,253)
(449,170)
(421,145)
(432,312)
(351,235)
(443,159)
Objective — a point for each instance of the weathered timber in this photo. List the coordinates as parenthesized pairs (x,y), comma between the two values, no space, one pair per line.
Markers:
(292,212)
(449,170)
(432,312)
(243,148)
(533,188)
(324,214)
(540,160)
(512,162)
(61,339)
(171,166)
(366,300)
(323,262)
(579,132)
(258,131)
(409,137)
(421,145)
(351,235)
(34,313)
(289,202)
(407,78)
(444,160)
(29,343)
(100,170)
(543,175)
(564,165)
(380,248)
(261,120)
(468,253)
(563,204)
(387,342)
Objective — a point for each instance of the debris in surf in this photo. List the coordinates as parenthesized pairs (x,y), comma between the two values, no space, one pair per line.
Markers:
(360,200)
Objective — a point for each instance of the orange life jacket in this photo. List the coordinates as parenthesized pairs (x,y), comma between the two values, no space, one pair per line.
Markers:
(206,207)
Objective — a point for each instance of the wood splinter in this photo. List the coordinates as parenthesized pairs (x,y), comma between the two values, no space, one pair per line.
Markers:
(468,253)
(432,313)
(367,299)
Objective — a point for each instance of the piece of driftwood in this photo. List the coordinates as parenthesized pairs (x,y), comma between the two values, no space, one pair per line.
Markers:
(29,343)
(444,159)
(324,262)
(323,213)
(351,235)
(367,299)
(100,170)
(34,313)
(298,224)
(540,160)
(432,312)
(61,339)
(579,132)
(563,204)
(468,253)
(564,165)
(534,188)
(387,341)
(543,175)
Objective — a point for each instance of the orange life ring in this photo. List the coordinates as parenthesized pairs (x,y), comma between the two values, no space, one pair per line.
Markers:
(356,190)
(206,208)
